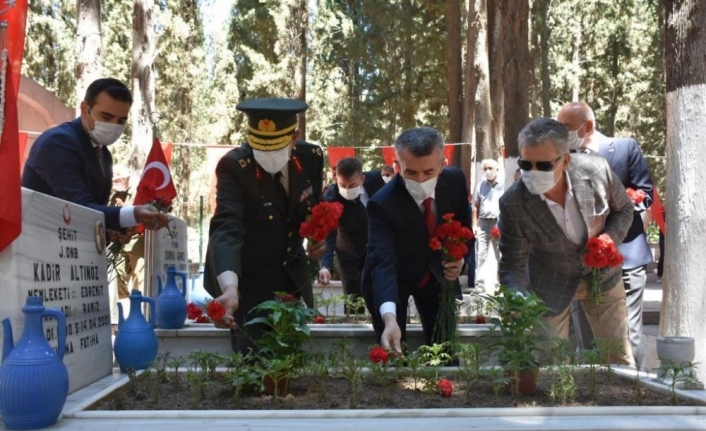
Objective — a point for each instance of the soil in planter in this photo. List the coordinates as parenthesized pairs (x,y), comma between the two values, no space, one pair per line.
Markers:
(145,394)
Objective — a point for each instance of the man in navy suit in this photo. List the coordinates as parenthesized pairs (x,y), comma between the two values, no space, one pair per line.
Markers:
(401,216)
(72,161)
(353,189)
(626,160)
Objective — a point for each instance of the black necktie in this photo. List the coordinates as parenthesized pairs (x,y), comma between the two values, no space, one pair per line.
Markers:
(281,191)
(99,157)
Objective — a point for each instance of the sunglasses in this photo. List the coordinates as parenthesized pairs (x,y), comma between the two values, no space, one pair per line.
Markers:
(386,175)
(543,166)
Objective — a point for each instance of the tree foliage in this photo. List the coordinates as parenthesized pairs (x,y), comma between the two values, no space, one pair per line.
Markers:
(373,68)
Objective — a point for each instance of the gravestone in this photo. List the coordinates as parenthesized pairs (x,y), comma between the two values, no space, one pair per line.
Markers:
(60,256)
(171,248)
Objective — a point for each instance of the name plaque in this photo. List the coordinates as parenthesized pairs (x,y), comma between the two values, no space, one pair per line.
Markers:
(171,248)
(60,256)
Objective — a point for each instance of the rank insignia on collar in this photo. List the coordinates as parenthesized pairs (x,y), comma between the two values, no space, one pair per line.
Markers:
(243,163)
(297,164)
(318,151)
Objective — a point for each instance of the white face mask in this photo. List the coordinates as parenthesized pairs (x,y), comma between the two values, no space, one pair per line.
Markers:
(105,133)
(490,175)
(421,191)
(272,161)
(350,193)
(538,182)
(387,179)
(574,142)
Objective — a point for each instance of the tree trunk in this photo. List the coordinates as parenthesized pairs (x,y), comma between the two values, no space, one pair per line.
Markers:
(534,86)
(496,61)
(454,69)
(544,49)
(476,78)
(143,105)
(516,72)
(685,60)
(576,62)
(88,47)
(303,29)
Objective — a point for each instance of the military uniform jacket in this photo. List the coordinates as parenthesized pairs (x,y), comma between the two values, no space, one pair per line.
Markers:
(256,235)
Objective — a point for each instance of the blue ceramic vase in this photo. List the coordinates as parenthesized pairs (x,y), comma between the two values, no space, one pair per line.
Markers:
(171,302)
(135,345)
(34,381)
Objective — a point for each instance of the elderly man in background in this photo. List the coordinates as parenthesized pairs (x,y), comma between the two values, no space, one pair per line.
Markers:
(485,217)
(626,160)
(546,219)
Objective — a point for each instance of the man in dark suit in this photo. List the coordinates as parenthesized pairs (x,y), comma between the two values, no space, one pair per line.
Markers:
(265,190)
(626,160)
(545,222)
(353,189)
(72,161)
(402,216)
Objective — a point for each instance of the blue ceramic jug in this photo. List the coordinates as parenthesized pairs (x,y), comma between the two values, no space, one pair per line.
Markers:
(199,296)
(171,302)
(135,343)
(34,381)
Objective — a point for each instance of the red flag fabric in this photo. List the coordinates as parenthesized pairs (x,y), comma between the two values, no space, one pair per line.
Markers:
(11,202)
(22,148)
(658,211)
(449,154)
(337,153)
(167,149)
(156,184)
(388,156)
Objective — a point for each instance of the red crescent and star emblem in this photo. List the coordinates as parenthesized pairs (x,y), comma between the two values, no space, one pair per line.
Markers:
(67,215)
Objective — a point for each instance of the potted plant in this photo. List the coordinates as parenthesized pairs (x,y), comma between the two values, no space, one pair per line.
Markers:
(285,320)
(518,341)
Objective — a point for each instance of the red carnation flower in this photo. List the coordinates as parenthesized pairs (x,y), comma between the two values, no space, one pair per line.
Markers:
(435,244)
(601,252)
(319,319)
(444,387)
(480,319)
(286,297)
(193,311)
(495,232)
(636,196)
(202,319)
(324,219)
(215,310)
(378,355)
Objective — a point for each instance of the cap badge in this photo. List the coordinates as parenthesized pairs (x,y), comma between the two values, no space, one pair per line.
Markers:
(266,125)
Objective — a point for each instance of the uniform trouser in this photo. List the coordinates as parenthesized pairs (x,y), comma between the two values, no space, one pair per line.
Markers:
(634,280)
(485,241)
(607,320)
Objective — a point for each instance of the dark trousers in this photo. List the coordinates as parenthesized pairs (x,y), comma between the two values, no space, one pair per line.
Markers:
(660,263)
(471,264)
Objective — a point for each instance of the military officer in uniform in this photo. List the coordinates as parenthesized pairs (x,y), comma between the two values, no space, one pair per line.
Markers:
(265,190)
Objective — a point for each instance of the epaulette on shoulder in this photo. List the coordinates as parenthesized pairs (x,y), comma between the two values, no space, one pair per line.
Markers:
(243,155)
(306,149)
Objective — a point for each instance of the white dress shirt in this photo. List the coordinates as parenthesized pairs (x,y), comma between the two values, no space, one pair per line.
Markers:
(568,217)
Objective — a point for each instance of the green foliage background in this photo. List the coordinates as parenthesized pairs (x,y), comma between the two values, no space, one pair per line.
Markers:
(374,68)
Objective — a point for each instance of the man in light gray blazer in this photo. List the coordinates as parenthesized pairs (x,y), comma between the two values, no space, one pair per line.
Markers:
(545,221)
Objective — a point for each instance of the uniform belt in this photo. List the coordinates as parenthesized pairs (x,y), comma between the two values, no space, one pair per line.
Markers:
(490,218)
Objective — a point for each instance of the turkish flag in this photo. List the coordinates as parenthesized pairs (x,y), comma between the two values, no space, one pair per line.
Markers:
(156,185)
(658,211)
(11,202)
(388,156)
(337,153)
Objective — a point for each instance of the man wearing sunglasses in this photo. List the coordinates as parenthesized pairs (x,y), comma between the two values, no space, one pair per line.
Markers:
(628,163)
(546,219)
